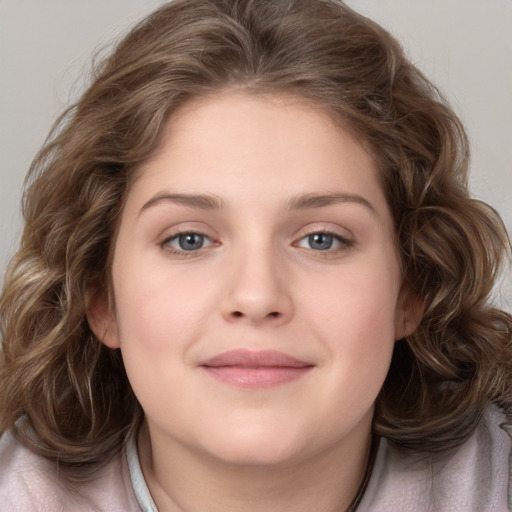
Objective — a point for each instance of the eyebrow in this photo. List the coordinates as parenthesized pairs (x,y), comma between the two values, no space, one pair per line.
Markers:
(199,201)
(299,202)
(305,201)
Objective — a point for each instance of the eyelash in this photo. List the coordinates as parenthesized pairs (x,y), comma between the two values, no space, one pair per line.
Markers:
(344,243)
(166,243)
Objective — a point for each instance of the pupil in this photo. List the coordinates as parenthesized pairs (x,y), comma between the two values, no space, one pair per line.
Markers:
(191,241)
(321,241)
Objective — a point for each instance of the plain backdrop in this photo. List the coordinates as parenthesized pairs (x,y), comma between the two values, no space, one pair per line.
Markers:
(46,48)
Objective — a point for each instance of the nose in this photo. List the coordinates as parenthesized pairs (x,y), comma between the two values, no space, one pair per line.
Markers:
(258,290)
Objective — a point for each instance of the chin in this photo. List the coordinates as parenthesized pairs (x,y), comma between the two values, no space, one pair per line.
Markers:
(257,445)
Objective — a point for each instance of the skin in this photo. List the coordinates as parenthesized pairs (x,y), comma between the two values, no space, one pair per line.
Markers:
(256,281)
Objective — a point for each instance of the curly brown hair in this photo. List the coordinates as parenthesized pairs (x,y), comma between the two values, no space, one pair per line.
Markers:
(66,395)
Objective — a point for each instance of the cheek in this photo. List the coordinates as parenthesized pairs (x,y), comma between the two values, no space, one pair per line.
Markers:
(154,325)
(156,318)
(354,314)
(358,297)
(160,315)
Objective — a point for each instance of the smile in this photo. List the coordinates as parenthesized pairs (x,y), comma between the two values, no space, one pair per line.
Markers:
(255,369)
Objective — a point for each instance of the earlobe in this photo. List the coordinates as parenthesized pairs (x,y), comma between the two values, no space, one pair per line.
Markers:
(409,313)
(102,320)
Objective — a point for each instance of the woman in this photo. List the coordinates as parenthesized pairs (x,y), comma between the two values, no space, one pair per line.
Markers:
(252,278)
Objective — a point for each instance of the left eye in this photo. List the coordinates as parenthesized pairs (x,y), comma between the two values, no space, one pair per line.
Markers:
(189,242)
(322,241)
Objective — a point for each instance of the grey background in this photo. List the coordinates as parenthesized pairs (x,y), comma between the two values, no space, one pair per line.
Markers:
(46,47)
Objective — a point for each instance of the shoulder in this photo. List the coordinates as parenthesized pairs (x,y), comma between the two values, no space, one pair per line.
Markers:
(30,483)
(475,477)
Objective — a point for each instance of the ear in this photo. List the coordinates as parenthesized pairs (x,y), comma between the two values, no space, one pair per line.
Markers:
(409,313)
(101,319)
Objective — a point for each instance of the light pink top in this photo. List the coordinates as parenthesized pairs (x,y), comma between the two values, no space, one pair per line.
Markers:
(475,479)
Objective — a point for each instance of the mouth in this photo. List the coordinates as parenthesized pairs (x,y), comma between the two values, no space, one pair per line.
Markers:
(255,369)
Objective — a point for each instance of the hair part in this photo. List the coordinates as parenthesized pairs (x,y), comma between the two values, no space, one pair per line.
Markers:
(67,397)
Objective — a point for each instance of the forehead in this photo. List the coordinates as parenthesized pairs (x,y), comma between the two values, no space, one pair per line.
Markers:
(227,143)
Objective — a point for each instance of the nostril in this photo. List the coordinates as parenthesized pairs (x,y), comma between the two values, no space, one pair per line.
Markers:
(272,314)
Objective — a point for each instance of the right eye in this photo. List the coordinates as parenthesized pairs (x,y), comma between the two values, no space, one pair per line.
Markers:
(187,242)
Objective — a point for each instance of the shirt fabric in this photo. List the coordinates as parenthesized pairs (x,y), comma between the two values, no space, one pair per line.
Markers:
(476,478)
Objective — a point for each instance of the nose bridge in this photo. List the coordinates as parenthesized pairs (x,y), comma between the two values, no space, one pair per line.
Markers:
(258,289)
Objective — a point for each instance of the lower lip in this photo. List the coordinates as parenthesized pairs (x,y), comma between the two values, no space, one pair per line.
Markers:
(256,378)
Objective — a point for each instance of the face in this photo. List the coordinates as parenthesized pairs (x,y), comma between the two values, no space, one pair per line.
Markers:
(256,283)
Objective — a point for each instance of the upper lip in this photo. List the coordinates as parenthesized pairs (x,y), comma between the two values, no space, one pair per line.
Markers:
(246,358)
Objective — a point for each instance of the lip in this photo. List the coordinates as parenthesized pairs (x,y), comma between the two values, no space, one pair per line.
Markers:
(255,369)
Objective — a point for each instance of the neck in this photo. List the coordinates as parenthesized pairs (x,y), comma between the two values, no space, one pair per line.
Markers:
(181,480)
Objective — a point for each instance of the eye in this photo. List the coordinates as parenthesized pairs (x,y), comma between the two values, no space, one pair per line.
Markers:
(187,242)
(324,241)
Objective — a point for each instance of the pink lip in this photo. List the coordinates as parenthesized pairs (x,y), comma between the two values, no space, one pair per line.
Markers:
(255,369)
